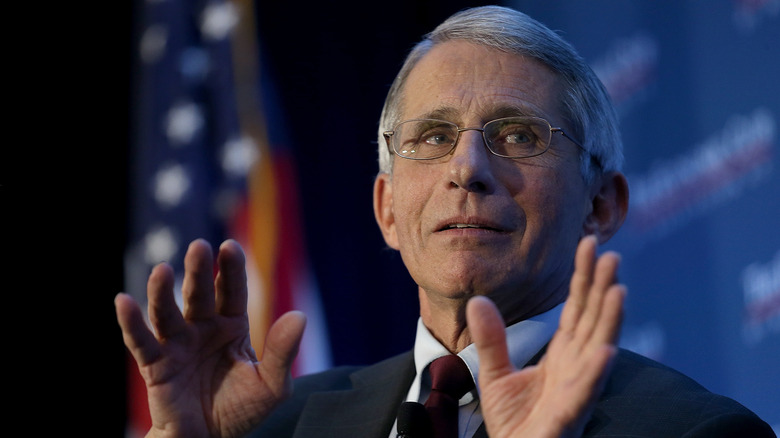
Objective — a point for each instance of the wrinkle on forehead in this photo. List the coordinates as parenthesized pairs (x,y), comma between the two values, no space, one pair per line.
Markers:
(462,82)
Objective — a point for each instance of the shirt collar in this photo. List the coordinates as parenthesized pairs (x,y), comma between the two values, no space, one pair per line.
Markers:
(524,340)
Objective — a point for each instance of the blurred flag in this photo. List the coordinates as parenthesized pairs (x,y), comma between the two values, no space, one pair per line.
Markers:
(202,166)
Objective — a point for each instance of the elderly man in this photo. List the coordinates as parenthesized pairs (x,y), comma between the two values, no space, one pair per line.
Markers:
(499,175)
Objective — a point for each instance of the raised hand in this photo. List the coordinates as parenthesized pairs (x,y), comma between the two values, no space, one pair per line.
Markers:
(202,376)
(554,398)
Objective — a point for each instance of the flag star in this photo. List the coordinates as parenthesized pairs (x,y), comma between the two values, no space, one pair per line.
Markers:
(153,43)
(160,245)
(239,155)
(218,20)
(171,184)
(184,120)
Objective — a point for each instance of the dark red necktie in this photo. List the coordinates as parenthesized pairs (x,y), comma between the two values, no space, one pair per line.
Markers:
(450,380)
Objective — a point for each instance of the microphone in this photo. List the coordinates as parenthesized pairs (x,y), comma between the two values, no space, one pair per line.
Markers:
(413,421)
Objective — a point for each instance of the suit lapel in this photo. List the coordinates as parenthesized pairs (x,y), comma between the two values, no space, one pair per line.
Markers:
(367,410)
(481,431)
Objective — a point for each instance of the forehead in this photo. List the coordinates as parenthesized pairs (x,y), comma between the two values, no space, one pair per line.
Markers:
(464,83)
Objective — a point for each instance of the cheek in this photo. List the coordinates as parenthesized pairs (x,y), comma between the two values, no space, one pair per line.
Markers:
(408,203)
(554,205)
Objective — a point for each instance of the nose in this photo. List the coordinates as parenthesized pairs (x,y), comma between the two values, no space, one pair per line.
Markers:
(471,163)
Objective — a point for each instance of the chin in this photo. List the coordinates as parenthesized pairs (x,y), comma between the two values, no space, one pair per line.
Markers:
(469,284)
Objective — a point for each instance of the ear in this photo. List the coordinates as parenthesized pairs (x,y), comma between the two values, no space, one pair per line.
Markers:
(609,206)
(383,209)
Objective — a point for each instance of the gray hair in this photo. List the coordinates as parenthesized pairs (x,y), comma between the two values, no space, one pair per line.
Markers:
(585,101)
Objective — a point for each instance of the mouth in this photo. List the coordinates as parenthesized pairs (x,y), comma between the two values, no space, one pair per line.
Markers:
(471,225)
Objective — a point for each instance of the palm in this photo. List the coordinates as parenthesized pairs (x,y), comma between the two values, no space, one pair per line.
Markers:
(202,376)
(200,381)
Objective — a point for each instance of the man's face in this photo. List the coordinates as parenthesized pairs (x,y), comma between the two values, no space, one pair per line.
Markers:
(525,216)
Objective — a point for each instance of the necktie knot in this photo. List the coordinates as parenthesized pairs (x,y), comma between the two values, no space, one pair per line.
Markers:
(450,375)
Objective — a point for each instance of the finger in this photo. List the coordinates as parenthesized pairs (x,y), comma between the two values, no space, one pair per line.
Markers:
(164,313)
(487,330)
(231,283)
(608,329)
(606,270)
(137,336)
(198,286)
(581,280)
(604,277)
(281,347)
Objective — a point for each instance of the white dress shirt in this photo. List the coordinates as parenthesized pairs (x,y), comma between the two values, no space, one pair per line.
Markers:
(524,340)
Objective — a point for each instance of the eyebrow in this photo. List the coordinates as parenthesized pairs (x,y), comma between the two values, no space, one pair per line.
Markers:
(442,113)
(453,115)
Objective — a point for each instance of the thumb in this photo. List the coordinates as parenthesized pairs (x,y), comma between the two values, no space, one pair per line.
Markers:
(489,334)
(281,348)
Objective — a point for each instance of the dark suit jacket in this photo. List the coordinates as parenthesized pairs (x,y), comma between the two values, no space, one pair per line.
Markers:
(642,399)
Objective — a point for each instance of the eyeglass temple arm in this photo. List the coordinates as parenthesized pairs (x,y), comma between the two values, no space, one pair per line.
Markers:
(592,157)
(562,132)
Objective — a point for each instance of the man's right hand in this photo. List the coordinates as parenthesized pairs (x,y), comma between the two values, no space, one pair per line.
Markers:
(202,376)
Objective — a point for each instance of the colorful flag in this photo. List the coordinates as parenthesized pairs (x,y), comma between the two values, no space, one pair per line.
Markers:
(202,166)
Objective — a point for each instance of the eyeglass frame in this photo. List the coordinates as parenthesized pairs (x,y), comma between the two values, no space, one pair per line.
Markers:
(553,129)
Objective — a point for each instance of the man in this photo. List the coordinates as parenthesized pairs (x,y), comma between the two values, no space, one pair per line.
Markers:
(499,175)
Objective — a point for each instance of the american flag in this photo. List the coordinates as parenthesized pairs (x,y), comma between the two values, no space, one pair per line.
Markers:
(202,166)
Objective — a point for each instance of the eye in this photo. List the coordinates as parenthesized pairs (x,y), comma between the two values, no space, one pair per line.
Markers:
(437,139)
(424,139)
(514,136)
(518,137)
(435,134)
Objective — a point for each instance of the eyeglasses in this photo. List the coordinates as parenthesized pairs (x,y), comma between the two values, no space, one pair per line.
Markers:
(509,137)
